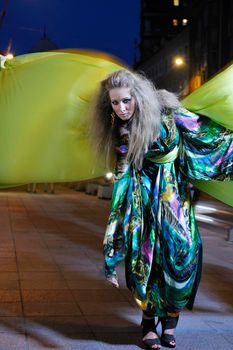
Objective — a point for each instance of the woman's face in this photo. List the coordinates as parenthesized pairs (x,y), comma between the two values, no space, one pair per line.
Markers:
(123,103)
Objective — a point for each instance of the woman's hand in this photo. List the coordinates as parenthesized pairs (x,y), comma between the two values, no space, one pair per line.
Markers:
(113,281)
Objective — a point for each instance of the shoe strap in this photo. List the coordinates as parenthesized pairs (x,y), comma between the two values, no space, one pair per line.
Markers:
(169,323)
(148,325)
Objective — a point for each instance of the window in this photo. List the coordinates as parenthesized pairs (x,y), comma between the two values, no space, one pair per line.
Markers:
(147,25)
(176,2)
(184,22)
(175,22)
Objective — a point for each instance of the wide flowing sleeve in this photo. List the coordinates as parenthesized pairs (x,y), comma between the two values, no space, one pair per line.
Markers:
(115,240)
(206,151)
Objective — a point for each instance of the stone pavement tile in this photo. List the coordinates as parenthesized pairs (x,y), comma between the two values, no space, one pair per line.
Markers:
(76,341)
(206,305)
(47,296)
(9,295)
(5,233)
(6,243)
(8,261)
(9,284)
(85,238)
(3,200)
(34,257)
(51,309)
(22,226)
(96,256)
(127,295)
(67,227)
(42,275)
(192,324)
(19,214)
(91,275)
(115,323)
(66,249)
(21,238)
(216,283)
(52,284)
(221,324)
(51,235)
(61,244)
(7,253)
(202,341)
(10,309)
(10,341)
(66,259)
(38,267)
(27,247)
(98,295)
(60,324)
(86,274)
(107,308)
(12,325)
(222,296)
(84,261)
(204,332)
(83,268)
(42,223)
(88,284)
(8,264)
(11,276)
(119,341)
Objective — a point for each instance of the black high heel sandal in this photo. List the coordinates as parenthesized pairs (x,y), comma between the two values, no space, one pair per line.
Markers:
(168,340)
(148,325)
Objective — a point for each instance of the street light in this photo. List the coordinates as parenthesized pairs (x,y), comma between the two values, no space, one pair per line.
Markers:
(179,61)
(3,59)
(10,56)
(109,176)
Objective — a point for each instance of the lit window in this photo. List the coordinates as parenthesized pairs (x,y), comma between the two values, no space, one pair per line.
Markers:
(176,2)
(175,22)
(184,22)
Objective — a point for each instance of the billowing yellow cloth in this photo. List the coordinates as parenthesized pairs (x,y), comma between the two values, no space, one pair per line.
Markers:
(214,99)
(44,103)
(44,107)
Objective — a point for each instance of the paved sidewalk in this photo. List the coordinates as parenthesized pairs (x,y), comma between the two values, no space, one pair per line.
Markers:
(53,294)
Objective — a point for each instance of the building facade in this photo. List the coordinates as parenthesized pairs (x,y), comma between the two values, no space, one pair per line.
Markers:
(161,21)
(200,30)
(162,68)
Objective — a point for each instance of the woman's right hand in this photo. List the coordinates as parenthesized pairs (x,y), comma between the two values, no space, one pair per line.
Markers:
(113,281)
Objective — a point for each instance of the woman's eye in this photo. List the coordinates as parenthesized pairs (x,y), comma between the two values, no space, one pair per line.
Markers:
(114,103)
(126,100)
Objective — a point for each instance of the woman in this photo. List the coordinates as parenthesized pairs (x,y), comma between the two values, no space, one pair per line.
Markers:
(159,146)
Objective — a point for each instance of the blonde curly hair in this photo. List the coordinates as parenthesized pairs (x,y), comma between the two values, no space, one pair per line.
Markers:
(145,126)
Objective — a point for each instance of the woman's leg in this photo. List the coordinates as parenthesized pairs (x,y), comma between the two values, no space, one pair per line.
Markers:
(149,333)
(168,330)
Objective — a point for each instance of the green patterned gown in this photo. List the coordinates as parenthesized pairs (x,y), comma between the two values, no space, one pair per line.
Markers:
(152,224)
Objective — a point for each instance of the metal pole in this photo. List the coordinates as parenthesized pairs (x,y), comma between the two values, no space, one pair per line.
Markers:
(3,12)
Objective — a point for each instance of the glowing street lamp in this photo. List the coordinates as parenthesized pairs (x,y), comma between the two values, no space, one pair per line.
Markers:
(9,56)
(3,59)
(179,61)
(109,176)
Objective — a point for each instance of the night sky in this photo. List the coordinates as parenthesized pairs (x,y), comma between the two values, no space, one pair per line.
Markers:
(110,26)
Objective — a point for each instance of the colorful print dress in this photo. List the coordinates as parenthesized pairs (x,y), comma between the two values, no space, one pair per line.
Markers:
(152,224)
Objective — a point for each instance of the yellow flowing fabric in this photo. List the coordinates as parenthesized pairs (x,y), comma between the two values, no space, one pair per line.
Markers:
(44,103)
(214,99)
